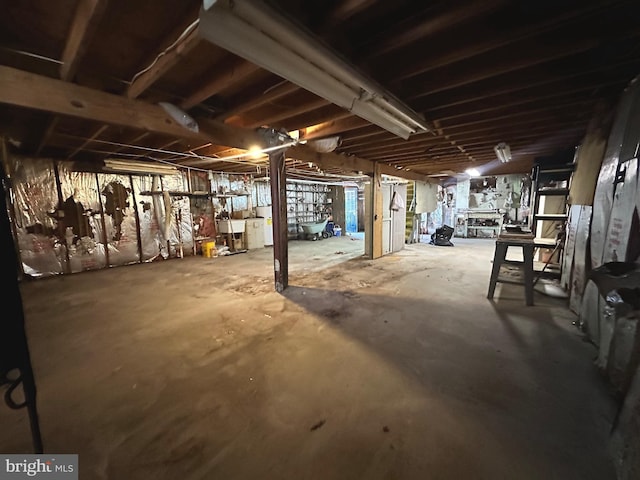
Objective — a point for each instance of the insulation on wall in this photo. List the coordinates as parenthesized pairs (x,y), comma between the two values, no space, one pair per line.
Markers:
(149,208)
(82,219)
(579,265)
(614,237)
(603,197)
(625,443)
(426,196)
(70,221)
(120,219)
(618,233)
(588,161)
(462,193)
(35,196)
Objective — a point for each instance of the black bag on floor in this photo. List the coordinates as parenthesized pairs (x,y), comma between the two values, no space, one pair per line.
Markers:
(442,237)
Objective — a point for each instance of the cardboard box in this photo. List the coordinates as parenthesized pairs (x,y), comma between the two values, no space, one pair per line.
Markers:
(241,214)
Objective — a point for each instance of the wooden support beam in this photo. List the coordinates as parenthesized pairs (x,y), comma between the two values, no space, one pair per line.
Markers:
(133,141)
(95,135)
(162,64)
(348,8)
(331,128)
(46,134)
(269,96)
(458,74)
(85,21)
(402,172)
(521,101)
(564,73)
(433,25)
(512,115)
(373,215)
(231,74)
(509,35)
(330,160)
(350,163)
(289,113)
(141,152)
(328,113)
(28,90)
(424,139)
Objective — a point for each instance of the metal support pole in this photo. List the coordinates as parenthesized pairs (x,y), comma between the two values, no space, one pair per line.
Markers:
(278,174)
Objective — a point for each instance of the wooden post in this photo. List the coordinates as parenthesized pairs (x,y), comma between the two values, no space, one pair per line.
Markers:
(373,216)
(105,239)
(137,213)
(61,234)
(278,174)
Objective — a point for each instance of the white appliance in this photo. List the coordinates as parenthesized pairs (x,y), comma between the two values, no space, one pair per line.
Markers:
(254,233)
(265,212)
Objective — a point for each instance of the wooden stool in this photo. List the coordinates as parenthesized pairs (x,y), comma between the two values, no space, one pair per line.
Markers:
(502,245)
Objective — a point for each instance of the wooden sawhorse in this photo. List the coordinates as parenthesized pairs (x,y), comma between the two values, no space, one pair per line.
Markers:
(499,259)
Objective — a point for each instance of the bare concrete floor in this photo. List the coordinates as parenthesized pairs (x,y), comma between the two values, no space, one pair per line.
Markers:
(398,368)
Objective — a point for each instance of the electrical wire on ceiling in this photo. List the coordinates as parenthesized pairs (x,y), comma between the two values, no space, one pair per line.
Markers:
(184,167)
(31,54)
(292,171)
(252,154)
(189,155)
(180,38)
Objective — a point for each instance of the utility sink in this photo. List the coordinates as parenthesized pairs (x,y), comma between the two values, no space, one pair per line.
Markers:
(231,226)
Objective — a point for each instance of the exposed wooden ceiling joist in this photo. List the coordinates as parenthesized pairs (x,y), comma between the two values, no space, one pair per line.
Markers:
(234,71)
(528,73)
(164,61)
(28,90)
(87,16)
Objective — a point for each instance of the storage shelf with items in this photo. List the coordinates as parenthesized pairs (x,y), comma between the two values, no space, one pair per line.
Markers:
(479,224)
(306,202)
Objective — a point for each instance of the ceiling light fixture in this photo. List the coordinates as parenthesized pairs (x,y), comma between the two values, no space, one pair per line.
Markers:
(472,172)
(130,166)
(261,35)
(255,152)
(503,152)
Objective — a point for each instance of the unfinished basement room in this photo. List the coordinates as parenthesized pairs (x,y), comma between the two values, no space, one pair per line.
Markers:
(337,240)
